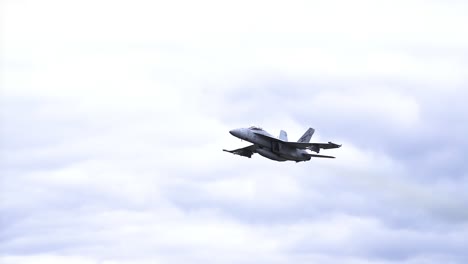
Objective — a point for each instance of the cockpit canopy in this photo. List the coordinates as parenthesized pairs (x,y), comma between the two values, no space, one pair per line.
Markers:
(255,128)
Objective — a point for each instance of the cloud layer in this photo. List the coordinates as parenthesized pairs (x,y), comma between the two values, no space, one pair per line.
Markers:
(113,116)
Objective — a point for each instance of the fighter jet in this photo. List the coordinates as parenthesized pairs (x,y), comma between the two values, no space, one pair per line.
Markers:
(279,149)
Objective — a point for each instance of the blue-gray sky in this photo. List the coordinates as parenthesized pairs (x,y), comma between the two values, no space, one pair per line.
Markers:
(114,114)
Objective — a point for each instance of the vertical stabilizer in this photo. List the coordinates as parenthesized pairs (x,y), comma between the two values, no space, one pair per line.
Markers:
(283,135)
(307,136)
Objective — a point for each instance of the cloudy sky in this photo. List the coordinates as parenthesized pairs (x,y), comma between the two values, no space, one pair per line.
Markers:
(113,115)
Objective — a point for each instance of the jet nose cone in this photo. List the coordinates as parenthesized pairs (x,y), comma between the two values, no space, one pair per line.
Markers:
(232,132)
(235,132)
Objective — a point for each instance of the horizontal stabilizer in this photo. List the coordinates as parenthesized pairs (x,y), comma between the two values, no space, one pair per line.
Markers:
(329,145)
(320,156)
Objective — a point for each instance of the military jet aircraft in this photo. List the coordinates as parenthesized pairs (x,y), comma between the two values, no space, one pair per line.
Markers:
(279,149)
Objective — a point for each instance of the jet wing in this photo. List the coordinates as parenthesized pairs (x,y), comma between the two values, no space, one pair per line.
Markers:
(301,145)
(246,152)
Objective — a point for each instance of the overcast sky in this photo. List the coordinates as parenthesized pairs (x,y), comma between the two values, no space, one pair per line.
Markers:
(113,115)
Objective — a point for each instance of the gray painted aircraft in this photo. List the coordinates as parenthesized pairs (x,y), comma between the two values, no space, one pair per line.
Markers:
(279,149)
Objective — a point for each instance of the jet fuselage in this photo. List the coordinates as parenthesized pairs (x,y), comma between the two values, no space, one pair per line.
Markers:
(270,149)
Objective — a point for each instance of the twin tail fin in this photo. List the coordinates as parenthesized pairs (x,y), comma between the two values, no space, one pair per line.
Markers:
(307,136)
(283,135)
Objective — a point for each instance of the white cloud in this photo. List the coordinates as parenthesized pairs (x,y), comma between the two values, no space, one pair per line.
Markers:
(381,106)
(155,48)
(114,116)
(47,259)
